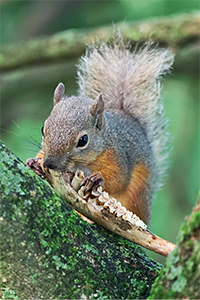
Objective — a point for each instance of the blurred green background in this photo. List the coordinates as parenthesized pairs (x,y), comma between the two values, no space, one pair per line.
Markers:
(26,93)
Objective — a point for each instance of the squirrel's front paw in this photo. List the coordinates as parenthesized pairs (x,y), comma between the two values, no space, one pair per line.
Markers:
(91,182)
(36,165)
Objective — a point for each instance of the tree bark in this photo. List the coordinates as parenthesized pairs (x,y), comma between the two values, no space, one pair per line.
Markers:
(48,251)
(180,278)
(175,31)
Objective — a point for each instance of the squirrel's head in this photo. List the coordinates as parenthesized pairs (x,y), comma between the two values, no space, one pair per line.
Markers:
(72,134)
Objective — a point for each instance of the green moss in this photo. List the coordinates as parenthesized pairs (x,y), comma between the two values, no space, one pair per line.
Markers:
(179,284)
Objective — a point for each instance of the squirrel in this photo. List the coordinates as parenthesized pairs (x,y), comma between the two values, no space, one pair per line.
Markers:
(115,129)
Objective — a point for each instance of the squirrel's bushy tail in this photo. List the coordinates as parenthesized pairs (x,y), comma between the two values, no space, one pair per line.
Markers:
(130,81)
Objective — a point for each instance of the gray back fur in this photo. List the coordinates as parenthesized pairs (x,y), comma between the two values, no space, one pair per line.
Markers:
(130,81)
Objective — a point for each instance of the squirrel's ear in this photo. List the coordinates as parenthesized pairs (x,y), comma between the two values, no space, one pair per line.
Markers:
(96,110)
(58,93)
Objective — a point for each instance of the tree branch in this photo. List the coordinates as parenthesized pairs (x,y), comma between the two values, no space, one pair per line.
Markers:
(180,279)
(48,251)
(175,31)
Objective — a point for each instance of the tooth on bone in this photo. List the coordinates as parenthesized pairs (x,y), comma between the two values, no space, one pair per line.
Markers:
(127,216)
(106,196)
(77,180)
(110,202)
(141,224)
(94,203)
(119,205)
(134,219)
(114,207)
(95,193)
(101,200)
(100,189)
(82,194)
(121,211)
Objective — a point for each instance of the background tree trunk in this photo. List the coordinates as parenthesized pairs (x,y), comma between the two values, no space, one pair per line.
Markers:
(175,31)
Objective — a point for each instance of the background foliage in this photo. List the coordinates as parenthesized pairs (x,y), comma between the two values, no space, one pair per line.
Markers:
(27,93)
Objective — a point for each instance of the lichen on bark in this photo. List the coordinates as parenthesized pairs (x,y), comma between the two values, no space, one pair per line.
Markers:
(180,278)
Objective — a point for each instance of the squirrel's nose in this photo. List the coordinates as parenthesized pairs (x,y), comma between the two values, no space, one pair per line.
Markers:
(50,164)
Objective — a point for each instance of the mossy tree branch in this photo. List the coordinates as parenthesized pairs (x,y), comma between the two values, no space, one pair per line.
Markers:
(47,250)
(180,278)
(176,31)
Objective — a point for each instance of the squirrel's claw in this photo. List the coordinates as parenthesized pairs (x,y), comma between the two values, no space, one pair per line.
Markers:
(91,182)
(35,165)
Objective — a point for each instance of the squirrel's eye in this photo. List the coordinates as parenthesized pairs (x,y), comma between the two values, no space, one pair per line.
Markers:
(83,141)
(42,130)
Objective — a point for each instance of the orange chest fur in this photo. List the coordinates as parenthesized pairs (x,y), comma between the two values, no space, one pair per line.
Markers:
(132,194)
(107,165)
